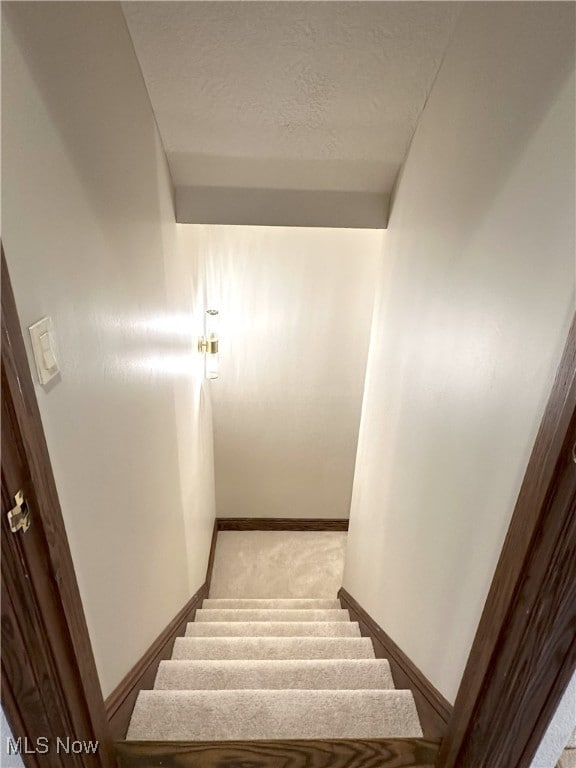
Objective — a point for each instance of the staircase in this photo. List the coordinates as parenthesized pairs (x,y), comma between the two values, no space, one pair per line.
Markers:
(273,669)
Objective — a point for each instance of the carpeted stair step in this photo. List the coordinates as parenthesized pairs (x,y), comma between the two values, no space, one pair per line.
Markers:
(568,759)
(260,603)
(273,629)
(319,674)
(265,714)
(271,614)
(273,648)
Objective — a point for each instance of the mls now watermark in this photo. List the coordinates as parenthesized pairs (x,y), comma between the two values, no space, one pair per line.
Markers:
(43,745)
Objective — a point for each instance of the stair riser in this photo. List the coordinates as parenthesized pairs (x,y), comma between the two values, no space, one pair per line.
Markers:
(272,648)
(275,675)
(210,614)
(273,629)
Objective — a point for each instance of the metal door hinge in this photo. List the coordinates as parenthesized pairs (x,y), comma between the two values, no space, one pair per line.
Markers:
(19,516)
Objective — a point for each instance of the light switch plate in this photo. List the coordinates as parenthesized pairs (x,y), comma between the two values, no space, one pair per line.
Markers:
(44,348)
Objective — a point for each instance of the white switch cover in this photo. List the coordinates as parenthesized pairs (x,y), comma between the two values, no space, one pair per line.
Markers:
(42,336)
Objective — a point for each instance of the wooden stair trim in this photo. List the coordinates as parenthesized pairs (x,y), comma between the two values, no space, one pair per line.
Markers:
(433,709)
(325,753)
(120,702)
(281,524)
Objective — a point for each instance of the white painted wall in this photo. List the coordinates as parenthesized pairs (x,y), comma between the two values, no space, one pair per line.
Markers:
(7,760)
(560,731)
(88,228)
(295,308)
(471,316)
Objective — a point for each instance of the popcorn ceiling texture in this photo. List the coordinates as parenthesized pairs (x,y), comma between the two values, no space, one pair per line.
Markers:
(306,96)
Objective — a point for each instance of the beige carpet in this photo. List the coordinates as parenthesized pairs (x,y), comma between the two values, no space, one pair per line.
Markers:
(278,564)
(266,604)
(273,628)
(271,614)
(265,714)
(273,648)
(262,674)
(274,670)
(568,759)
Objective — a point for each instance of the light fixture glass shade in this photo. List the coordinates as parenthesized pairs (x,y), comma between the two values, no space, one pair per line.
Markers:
(211,361)
(212,366)
(211,323)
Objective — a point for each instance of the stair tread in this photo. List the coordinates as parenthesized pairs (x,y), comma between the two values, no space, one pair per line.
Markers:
(341,674)
(273,628)
(272,647)
(271,614)
(254,602)
(288,714)
(568,759)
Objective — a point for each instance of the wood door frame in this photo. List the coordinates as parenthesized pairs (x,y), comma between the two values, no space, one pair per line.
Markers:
(524,652)
(532,544)
(47,659)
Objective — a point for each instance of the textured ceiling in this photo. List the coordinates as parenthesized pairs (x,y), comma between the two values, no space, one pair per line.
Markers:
(288,95)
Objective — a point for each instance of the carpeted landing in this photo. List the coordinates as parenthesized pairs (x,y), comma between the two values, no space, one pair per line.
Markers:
(273,669)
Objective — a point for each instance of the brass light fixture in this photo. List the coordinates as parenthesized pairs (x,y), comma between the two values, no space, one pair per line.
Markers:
(208,344)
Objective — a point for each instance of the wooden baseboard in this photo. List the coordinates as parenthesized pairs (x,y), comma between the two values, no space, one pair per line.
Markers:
(330,753)
(433,709)
(211,557)
(120,703)
(280,524)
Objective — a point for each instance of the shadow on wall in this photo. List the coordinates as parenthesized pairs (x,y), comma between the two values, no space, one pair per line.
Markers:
(84,167)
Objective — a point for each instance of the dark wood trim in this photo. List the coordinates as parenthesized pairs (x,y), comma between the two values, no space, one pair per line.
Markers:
(50,685)
(280,524)
(120,703)
(211,557)
(524,651)
(433,709)
(408,753)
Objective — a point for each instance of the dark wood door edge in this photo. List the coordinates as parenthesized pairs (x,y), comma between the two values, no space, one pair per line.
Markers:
(120,702)
(72,689)
(433,709)
(530,610)
(280,524)
(331,753)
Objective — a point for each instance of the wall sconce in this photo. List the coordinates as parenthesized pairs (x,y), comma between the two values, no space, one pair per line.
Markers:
(208,344)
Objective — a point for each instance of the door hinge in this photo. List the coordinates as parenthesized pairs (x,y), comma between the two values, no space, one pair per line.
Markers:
(19,516)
